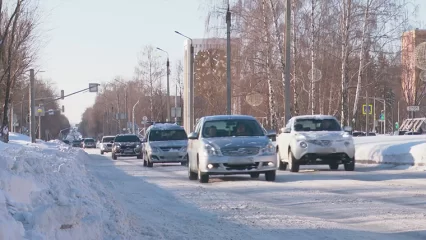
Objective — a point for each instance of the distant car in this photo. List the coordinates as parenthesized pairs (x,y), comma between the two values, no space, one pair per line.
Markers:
(165,143)
(89,143)
(106,144)
(66,141)
(228,145)
(315,140)
(76,143)
(126,145)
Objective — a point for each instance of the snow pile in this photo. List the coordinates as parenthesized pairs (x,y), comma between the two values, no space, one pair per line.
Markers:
(46,193)
(406,150)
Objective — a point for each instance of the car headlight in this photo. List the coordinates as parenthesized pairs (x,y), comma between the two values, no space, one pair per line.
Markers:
(184,149)
(138,146)
(210,150)
(268,149)
(303,144)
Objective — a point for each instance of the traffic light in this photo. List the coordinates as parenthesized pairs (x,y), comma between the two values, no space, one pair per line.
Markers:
(62,94)
(63,108)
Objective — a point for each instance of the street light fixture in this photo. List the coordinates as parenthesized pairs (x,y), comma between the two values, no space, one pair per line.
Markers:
(189,116)
(168,84)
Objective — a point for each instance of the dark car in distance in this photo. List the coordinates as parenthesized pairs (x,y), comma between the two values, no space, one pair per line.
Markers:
(126,145)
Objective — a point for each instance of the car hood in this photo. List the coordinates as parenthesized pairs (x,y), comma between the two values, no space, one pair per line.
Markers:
(323,135)
(174,143)
(225,142)
(127,143)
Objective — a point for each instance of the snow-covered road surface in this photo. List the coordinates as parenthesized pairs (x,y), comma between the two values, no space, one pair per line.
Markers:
(374,202)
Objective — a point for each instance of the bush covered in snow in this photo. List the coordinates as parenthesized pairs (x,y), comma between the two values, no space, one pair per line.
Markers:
(46,193)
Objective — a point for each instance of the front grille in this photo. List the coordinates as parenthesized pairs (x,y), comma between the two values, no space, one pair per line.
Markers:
(241,166)
(240,151)
(109,145)
(167,149)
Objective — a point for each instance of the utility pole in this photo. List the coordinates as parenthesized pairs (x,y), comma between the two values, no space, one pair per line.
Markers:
(39,124)
(287,61)
(367,111)
(176,103)
(168,91)
(191,89)
(127,109)
(32,107)
(228,62)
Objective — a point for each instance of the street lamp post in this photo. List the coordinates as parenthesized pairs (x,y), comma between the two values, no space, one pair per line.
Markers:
(168,85)
(133,116)
(190,111)
(287,61)
(32,106)
(228,62)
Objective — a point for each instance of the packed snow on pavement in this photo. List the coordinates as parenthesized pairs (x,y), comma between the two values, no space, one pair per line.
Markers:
(51,191)
(374,202)
(46,193)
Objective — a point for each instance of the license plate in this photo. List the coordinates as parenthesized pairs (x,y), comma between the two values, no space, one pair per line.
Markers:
(128,151)
(240,160)
(327,150)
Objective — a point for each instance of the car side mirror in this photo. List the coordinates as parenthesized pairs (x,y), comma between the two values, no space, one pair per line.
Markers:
(193,135)
(347,129)
(272,135)
(285,130)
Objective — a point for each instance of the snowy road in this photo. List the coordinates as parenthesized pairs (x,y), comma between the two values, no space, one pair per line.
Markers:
(370,203)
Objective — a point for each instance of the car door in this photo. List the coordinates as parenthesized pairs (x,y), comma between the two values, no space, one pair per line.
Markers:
(192,144)
(285,138)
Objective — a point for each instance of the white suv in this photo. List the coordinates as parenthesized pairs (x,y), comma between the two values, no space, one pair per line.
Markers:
(315,140)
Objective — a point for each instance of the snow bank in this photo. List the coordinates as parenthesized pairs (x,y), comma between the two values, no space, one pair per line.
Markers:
(46,193)
(404,150)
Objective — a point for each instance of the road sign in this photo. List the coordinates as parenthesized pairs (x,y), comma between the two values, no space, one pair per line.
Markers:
(382,116)
(39,111)
(397,125)
(413,108)
(145,118)
(366,109)
(93,87)
(176,112)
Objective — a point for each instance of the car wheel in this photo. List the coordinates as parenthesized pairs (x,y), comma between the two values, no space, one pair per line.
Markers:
(202,177)
(102,152)
(333,166)
(270,176)
(294,167)
(281,165)
(350,166)
(254,175)
(114,157)
(191,174)
(139,156)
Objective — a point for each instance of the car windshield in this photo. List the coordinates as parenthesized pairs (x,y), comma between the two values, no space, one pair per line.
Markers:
(108,139)
(315,124)
(232,128)
(167,135)
(127,138)
(89,140)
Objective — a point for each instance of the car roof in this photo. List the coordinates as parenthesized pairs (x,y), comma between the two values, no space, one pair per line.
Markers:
(315,117)
(165,126)
(228,117)
(108,137)
(119,135)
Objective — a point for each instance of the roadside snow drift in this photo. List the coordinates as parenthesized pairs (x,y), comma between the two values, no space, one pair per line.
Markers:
(406,150)
(46,193)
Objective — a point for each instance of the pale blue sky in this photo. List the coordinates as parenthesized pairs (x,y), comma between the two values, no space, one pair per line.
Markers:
(96,40)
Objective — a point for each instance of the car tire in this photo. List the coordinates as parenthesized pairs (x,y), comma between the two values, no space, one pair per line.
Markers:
(270,176)
(202,177)
(114,157)
(102,152)
(254,175)
(294,167)
(191,175)
(333,166)
(350,166)
(281,165)
(139,156)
